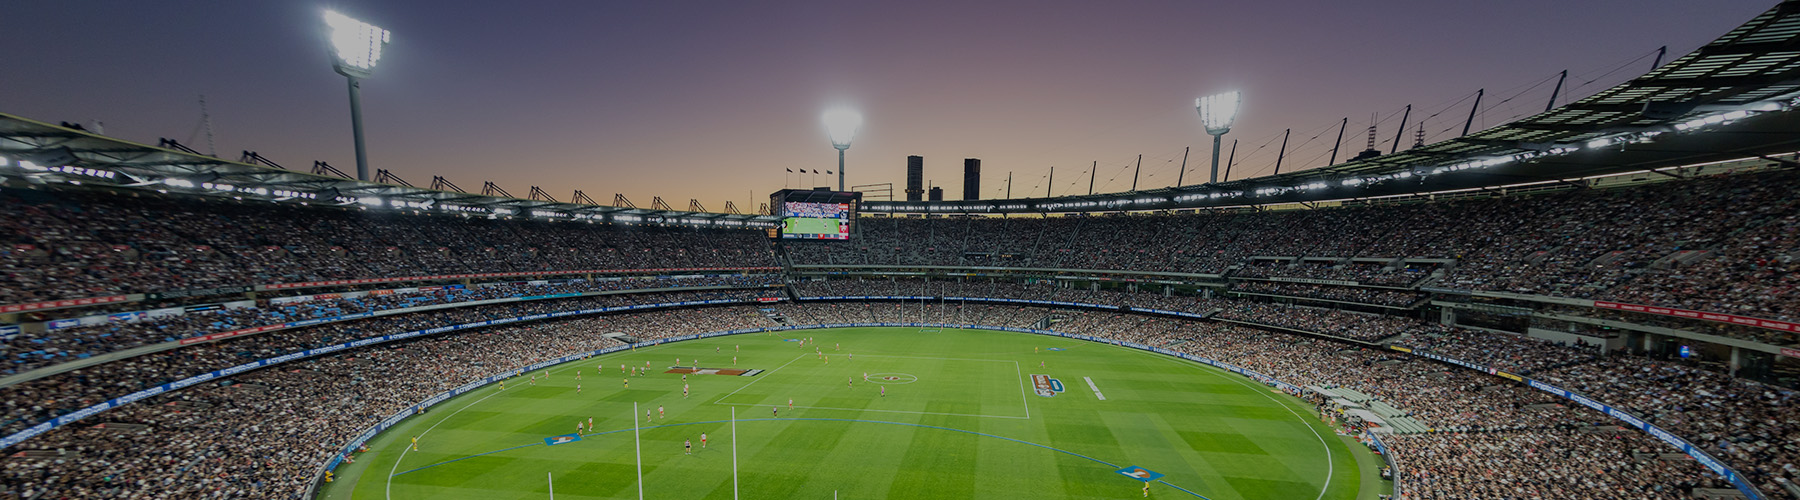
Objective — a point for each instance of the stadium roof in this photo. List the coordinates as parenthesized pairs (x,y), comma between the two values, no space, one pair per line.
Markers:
(1729,99)
(43,152)
(1732,98)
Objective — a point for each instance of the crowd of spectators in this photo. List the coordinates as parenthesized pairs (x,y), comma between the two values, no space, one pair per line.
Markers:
(1366,273)
(1739,421)
(1338,323)
(1360,295)
(982,288)
(35,401)
(72,243)
(28,351)
(1505,352)
(1745,423)
(1620,244)
(1542,463)
(265,433)
(1760,262)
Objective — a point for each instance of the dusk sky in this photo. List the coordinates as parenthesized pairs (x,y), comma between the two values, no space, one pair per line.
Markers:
(714,100)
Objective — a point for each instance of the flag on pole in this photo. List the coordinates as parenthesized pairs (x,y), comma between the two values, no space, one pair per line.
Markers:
(790,170)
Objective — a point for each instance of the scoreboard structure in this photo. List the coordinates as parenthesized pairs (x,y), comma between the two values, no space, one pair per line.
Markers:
(815,214)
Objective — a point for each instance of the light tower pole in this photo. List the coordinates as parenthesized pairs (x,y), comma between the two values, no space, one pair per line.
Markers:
(356,47)
(1217,111)
(841,125)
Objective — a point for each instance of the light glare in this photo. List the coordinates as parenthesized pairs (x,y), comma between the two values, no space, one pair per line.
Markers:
(357,44)
(1218,111)
(841,124)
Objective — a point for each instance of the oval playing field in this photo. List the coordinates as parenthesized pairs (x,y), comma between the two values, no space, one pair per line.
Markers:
(961,417)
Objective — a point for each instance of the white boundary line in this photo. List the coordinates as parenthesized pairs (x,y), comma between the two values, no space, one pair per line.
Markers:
(1330,467)
(388,491)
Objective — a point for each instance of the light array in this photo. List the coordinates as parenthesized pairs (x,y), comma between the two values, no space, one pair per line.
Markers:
(1218,111)
(89,172)
(357,44)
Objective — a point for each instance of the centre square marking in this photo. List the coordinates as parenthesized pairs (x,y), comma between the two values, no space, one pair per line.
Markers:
(809,385)
(893,378)
(713,371)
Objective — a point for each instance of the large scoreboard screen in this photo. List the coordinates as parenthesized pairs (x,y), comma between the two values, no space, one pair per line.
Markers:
(815,214)
(815,221)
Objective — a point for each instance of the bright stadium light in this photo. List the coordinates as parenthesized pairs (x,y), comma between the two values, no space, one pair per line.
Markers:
(1217,112)
(841,125)
(356,46)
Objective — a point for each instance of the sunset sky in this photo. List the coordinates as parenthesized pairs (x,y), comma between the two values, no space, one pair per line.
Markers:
(714,100)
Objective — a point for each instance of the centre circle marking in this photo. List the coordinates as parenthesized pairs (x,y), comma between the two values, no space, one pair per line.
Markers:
(892,378)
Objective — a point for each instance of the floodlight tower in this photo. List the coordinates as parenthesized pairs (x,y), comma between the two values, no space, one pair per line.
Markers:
(841,125)
(1217,111)
(356,47)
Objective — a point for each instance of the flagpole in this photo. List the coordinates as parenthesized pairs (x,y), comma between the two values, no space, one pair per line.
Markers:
(635,440)
(734,465)
(552,485)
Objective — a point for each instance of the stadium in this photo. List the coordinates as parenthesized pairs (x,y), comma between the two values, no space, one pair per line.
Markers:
(1600,299)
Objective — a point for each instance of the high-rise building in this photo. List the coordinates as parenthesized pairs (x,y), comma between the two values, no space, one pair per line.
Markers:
(937,193)
(915,177)
(971,178)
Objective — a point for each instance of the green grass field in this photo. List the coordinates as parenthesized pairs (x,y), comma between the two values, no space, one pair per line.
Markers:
(960,420)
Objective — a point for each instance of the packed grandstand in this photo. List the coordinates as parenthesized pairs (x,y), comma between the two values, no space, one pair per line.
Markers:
(1632,335)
